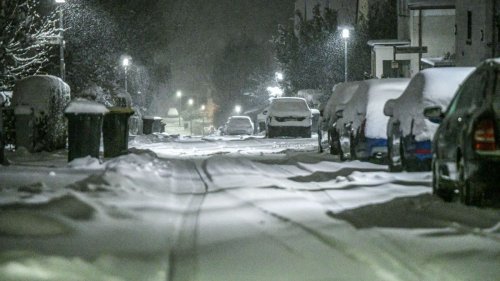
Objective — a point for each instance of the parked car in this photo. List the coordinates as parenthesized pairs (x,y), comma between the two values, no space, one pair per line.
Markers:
(466,146)
(341,94)
(288,117)
(409,133)
(239,125)
(362,129)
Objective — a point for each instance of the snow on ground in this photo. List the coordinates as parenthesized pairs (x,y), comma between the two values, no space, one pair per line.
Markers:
(233,208)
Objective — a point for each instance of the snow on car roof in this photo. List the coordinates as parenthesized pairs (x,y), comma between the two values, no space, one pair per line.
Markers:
(368,102)
(341,94)
(430,87)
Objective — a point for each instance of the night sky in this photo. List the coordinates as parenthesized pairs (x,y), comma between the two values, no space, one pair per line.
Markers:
(199,29)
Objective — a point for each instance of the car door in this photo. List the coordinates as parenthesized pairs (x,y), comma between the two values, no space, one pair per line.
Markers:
(458,116)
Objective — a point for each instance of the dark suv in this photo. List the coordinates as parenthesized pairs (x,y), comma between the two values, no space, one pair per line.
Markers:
(466,146)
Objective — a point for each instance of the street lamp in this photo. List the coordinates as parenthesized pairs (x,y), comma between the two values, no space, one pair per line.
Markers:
(237,109)
(126,64)
(345,36)
(62,65)
(179,96)
(190,103)
(279,76)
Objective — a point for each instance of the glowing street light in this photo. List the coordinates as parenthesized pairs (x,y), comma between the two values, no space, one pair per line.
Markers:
(279,76)
(237,109)
(190,101)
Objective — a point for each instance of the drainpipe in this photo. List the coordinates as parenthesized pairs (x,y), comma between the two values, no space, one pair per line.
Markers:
(420,39)
(493,31)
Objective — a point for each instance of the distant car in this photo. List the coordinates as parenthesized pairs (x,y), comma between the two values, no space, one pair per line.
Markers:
(362,128)
(341,94)
(239,125)
(409,133)
(288,117)
(466,146)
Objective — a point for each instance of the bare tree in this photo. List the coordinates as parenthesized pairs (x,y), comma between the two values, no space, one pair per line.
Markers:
(24,48)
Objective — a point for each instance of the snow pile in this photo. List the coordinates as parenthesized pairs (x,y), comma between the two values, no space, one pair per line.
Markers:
(430,87)
(84,106)
(368,103)
(86,163)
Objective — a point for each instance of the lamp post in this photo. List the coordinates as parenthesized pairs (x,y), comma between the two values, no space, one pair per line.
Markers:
(62,65)
(126,63)
(190,103)
(179,97)
(345,36)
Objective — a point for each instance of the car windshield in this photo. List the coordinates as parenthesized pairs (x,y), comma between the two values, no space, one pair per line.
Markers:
(239,122)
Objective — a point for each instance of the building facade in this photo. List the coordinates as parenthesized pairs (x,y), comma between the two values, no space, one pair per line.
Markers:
(477,31)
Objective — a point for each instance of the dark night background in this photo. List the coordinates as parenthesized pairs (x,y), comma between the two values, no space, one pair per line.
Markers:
(207,49)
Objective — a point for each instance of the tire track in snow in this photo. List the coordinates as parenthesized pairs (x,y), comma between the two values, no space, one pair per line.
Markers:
(183,261)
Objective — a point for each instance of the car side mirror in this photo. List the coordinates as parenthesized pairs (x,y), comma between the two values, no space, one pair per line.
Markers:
(389,108)
(339,114)
(434,114)
(264,112)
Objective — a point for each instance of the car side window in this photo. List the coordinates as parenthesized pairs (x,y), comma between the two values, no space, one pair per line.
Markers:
(496,97)
(471,93)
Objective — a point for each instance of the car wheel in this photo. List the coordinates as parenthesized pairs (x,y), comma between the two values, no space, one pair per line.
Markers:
(394,156)
(334,141)
(352,147)
(470,192)
(438,189)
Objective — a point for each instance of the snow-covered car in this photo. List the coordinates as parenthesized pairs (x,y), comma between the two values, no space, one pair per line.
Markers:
(363,126)
(465,148)
(239,125)
(409,133)
(341,94)
(288,117)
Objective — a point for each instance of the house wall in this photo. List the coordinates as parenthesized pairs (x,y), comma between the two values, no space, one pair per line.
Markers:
(384,53)
(438,31)
(484,37)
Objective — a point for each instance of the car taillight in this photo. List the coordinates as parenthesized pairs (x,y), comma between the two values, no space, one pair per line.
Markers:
(484,136)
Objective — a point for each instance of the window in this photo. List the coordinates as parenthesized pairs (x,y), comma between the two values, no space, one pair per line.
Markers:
(469,27)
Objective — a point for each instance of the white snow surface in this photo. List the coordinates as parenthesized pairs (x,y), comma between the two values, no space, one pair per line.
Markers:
(80,106)
(430,87)
(236,209)
(368,103)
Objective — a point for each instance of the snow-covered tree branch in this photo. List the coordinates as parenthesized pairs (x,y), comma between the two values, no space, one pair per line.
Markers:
(23,40)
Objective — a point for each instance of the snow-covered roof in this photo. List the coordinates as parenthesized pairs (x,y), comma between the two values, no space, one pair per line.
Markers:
(388,42)
(81,106)
(368,103)
(431,4)
(430,87)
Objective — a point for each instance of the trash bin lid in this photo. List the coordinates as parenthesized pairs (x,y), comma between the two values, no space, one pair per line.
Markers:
(83,106)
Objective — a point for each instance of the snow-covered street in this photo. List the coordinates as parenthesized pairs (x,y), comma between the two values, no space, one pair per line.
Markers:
(234,208)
